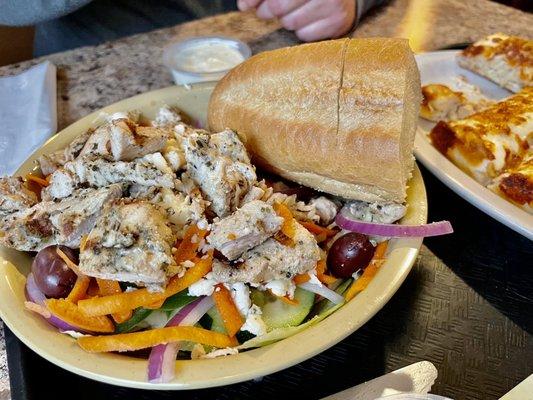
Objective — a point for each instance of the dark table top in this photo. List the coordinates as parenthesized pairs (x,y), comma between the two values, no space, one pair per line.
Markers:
(466,307)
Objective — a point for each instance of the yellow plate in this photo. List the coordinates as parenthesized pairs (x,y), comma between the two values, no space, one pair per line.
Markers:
(121,370)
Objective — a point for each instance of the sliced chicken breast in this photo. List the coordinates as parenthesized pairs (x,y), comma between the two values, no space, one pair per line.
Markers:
(63,222)
(131,242)
(246,228)
(325,208)
(181,210)
(123,140)
(49,163)
(220,166)
(14,195)
(271,260)
(75,216)
(150,170)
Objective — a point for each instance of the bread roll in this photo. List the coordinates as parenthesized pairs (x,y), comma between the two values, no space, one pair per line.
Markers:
(338,116)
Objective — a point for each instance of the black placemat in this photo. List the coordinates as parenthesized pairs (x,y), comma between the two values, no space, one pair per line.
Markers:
(466,306)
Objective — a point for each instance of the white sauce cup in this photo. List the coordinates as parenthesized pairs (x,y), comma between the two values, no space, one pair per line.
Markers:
(202,59)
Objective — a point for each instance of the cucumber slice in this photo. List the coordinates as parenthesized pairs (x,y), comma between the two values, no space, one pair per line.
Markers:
(324,305)
(217,325)
(176,301)
(282,333)
(277,313)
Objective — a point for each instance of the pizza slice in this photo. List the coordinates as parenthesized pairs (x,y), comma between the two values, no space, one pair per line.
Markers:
(505,60)
(458,100)
(516,185)
(490,142)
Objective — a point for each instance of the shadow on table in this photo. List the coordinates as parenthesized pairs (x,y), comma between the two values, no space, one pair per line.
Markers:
(492,259)
(358,358)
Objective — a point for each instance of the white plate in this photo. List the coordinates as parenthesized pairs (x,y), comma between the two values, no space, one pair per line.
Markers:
(441,67)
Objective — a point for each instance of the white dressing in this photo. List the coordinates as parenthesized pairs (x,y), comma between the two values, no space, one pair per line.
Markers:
(208,57)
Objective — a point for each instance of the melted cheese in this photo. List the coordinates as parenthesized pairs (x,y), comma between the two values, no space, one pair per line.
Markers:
(516,185)
(458,100)
(494,147)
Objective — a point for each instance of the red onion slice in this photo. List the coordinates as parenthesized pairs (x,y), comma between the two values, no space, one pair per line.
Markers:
(162,360)
(323,291)
(392,230)
(34,295)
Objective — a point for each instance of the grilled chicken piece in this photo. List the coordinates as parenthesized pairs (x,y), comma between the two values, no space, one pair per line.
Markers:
(49,163)
(325,209)
(174,155)
(180,209)
(272,260)
(27,230)
(150,170)
(123,140)
(246,228)
(14,195)
(75,216)
(378,213)
(173,151)
(131,242)
(220,166)
(64,222)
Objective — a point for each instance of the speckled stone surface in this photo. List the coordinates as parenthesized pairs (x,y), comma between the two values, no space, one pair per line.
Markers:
(92,77)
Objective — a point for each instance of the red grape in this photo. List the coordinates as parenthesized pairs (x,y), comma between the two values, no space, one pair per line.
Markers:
(349,253)
(52,276)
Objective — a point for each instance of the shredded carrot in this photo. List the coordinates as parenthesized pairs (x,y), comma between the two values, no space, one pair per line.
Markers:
(227,309)
(302,278)
(189,245)
(68,261)
(381,248)
(322,237)
(142,297)
(321,273)
(370,271)
(156,305)
(284,212)
(40,181)
(108,287)
(79,291)
(317,229)
(71,313)
(141,340)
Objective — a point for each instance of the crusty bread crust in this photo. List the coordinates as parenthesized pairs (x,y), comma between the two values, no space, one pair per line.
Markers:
(338,116)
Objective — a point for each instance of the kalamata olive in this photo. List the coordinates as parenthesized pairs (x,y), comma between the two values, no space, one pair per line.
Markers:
(52,276)
(349,253)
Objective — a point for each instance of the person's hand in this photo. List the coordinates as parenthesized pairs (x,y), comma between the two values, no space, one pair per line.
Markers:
(310,19)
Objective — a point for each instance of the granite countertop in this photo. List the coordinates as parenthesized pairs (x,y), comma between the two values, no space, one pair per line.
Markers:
(92,77)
